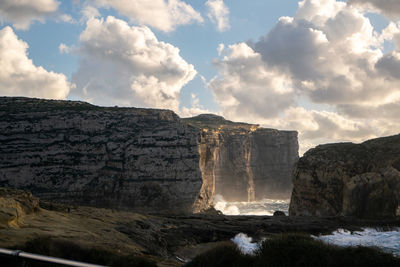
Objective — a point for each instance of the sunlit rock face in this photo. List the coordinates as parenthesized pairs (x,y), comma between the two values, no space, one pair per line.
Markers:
(360,180)
(14,205)
(141,159)
(244,162)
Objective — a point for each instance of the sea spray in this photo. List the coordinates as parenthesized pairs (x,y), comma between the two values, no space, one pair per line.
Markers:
(245,243)
(388,241)
(263,207)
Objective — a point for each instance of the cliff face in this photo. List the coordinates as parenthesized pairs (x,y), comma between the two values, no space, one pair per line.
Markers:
(108,157)
(243,162)
(141,159)
(361,180)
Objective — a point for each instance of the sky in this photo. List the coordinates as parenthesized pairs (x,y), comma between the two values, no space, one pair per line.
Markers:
(329,69)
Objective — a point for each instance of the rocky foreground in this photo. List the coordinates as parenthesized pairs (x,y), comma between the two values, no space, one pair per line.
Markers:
(165,239)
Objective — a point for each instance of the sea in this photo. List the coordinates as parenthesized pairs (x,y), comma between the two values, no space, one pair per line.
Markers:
(264,207)
(388,241)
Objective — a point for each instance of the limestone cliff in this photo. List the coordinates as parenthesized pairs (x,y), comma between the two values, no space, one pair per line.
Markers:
(244,162)
(140,159)
(361,180)
(75,152)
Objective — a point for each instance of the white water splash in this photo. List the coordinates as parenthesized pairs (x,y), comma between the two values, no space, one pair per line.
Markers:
(245,243)
(264,207)
(388,241)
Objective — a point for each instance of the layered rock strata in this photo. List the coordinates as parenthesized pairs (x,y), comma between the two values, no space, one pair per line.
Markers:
(75,152)
(140,159)
(360,180)
(244,162)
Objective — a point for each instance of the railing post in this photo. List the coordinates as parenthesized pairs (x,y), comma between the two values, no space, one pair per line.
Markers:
(19,262)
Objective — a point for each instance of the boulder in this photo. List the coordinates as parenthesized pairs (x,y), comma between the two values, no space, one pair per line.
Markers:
(279,213)
(14,205)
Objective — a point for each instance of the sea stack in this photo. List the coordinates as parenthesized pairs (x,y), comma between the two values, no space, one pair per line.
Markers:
(346,179)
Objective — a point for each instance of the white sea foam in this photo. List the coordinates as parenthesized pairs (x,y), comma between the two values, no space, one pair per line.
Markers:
(388,241)
(245,243)
(260,207)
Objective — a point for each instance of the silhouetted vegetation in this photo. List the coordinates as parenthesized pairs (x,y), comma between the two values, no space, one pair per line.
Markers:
(211,121)
(296,250)
(68,250)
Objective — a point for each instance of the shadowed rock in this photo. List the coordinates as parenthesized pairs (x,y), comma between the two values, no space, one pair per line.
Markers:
(244,162)
(74,152)
(138,159)
(361,180)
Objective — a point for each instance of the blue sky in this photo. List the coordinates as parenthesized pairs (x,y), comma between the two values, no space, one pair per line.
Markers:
(198,42)
(313,66)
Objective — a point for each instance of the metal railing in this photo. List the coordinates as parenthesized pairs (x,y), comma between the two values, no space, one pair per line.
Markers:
(20,255)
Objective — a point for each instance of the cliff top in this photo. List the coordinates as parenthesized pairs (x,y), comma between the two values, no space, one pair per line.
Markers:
(216,122)
(26,104)
(203,121)
(363,157)
(381,145)
(212,121)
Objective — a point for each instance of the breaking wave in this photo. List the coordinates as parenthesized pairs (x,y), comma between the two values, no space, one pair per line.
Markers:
(388,241)
(264,207)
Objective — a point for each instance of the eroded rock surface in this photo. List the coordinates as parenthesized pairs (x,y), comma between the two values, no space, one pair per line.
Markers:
(15,205)
(74,152)
(139,159)
(244,162)
(361,180)
(159,237)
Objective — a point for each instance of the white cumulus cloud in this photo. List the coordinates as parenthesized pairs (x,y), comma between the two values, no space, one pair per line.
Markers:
(318,72)
(195,108)
(22,12)
(218,13)
(164,15)
(390,8)
(124,65)
(20,77)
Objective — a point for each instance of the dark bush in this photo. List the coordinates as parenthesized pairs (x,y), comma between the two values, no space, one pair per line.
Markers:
(297,250)
(222,256)
(68,250)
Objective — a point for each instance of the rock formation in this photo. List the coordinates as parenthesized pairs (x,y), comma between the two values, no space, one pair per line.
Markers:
(361,180)
(75,152)
(14,205)
(141,159)
(244,162)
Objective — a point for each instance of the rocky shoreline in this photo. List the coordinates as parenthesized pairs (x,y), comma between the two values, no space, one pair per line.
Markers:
(165,239)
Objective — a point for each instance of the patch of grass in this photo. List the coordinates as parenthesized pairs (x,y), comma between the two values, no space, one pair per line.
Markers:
(223,256)
(68,250)
(296,250)
(213,122)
